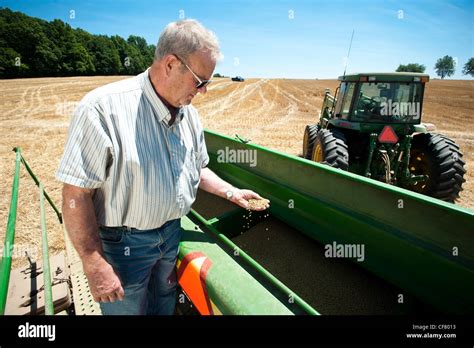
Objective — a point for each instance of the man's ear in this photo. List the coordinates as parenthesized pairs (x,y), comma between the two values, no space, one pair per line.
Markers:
(171,62)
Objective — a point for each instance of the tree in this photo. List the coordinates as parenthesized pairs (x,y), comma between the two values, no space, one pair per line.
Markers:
(24,35)
(10,63)
(469,67)
(139,43)
(145,50)
(411,67)
(74,59)
(104,55)
(81,60)
(445,66)
(35,47)
(84,39)
(130,57)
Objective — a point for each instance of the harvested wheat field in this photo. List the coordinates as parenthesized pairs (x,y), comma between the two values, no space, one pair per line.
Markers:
(35,113)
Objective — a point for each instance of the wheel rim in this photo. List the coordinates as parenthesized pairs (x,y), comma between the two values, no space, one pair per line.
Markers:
(318,153)
(419,165)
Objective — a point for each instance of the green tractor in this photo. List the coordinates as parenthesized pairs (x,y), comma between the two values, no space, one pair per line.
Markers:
(372,127)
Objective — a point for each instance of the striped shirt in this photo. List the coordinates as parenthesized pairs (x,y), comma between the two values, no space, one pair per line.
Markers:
(144,172)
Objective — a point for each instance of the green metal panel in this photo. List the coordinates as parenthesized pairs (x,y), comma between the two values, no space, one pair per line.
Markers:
(232,289)
(401,128)
(5,264)
(48,292)
(423,245)
(35,179)
(223,228)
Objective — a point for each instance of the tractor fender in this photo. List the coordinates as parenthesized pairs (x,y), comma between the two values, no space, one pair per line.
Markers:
(424,128)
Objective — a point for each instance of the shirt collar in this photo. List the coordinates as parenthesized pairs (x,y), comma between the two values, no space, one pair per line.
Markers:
(161,110)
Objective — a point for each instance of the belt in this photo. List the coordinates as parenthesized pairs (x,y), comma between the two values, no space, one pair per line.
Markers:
(136,230)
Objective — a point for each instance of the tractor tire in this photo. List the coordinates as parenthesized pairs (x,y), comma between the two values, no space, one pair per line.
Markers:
(440,158)
(310,133)
(330,148)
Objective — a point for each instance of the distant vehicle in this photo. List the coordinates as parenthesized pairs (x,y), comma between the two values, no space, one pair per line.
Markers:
(238,78)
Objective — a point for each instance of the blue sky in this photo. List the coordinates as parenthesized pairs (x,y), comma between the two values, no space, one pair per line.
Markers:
(290,39)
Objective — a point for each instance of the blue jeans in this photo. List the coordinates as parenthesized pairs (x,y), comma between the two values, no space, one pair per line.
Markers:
(145,262)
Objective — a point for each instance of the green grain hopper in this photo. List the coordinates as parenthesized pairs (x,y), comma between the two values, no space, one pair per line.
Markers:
(332,242)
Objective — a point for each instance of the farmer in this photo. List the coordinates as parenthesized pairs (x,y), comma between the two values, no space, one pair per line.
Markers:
(134,159)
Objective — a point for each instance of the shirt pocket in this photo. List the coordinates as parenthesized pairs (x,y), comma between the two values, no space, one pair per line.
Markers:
(193,165)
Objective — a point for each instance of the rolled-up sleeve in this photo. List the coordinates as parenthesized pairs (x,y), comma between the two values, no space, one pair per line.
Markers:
(88,151)
(203,147)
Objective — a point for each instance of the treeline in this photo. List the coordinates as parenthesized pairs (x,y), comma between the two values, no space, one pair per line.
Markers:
(32,47)
(445,66)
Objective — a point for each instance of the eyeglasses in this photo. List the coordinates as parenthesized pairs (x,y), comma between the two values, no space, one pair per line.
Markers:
(201,83)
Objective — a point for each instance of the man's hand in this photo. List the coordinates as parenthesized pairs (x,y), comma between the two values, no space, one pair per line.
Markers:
(104,284)
(244,199)
(81,225)
(247,199)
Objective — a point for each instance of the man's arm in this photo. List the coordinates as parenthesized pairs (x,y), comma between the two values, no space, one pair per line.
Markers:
(211,183)
(81,225)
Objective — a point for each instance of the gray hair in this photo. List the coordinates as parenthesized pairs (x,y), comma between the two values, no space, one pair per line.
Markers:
(185,37)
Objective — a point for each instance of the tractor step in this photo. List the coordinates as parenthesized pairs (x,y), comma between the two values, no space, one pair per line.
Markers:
(26,289)
(84,304)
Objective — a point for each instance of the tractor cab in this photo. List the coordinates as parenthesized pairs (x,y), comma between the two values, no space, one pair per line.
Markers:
(372,127)
(378,98)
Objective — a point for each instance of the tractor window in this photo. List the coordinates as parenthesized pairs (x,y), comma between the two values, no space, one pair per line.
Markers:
(346,105)
(340,97)
(394,102)
(344,99)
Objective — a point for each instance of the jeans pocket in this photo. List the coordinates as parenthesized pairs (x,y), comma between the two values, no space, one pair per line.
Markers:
(111,236)
(172,237)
